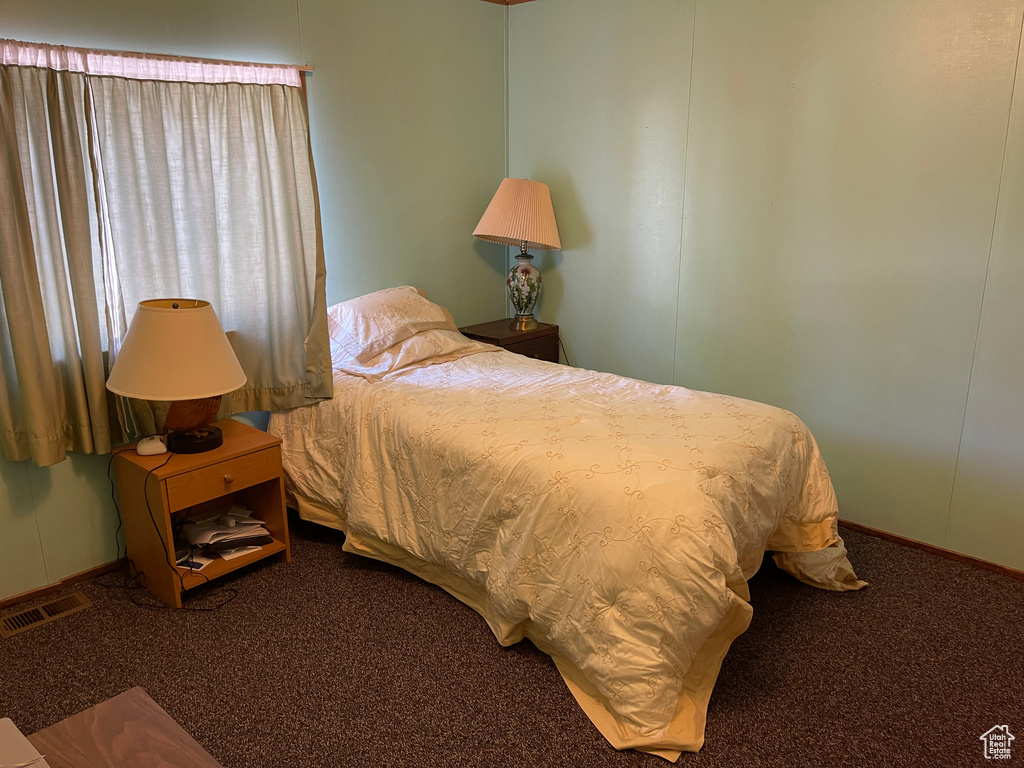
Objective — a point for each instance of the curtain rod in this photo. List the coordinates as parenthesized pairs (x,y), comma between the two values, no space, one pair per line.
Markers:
(304,68)
(300,68)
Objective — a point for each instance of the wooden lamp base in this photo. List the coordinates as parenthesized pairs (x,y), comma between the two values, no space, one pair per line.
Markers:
(188,426)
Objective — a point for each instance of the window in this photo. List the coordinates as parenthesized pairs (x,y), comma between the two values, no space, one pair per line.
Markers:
(138,177)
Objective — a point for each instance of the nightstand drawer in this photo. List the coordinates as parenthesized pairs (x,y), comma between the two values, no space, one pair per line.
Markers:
(223,478)
(544,348)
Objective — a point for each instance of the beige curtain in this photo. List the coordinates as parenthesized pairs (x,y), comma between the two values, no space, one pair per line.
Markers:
(52,394)
(138,177)
(224,209)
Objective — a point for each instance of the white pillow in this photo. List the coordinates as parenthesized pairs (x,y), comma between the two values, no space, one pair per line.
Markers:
(364,327)
(423,348)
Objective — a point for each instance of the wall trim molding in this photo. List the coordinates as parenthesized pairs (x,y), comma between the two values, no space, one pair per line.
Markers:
(977,562)
(34,594)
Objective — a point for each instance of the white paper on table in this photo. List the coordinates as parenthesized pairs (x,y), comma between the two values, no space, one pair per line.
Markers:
(15,749)
(230,554)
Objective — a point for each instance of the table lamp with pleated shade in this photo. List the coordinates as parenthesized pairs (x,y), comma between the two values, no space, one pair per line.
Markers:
(520,213)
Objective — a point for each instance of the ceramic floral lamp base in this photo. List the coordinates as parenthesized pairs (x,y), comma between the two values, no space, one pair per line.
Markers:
(524,284)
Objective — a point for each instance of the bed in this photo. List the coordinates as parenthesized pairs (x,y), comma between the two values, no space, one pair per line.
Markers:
(613,522)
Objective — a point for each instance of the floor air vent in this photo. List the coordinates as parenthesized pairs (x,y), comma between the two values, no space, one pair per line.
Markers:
(43,614)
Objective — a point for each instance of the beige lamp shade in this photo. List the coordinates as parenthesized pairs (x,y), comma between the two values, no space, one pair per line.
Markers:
(175,349)
(520,211)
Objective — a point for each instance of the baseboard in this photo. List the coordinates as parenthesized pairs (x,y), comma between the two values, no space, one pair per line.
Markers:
(1005,570)
(1013,573)
(33,594)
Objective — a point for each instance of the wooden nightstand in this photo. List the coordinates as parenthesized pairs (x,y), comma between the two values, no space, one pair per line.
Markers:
(540,343)
(157,496)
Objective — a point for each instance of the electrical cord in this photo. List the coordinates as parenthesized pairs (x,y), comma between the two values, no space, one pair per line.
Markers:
(564,353)
(113,498)
(152,518)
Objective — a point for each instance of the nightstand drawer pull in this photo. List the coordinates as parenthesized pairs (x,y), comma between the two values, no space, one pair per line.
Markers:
(229,479)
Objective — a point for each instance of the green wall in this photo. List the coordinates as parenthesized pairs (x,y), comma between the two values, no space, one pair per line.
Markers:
(407,118)
(809,203)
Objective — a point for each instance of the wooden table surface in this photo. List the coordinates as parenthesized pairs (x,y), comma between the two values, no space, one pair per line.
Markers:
(127,731)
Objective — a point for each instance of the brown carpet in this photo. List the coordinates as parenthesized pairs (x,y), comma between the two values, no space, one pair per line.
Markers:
(334,660)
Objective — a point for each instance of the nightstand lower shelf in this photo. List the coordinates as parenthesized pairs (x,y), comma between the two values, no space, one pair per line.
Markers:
(220,567)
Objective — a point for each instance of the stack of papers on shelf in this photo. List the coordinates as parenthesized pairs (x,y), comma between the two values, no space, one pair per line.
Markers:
(225,532)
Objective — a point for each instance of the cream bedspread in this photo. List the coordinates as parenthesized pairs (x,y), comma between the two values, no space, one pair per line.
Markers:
(613,522)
